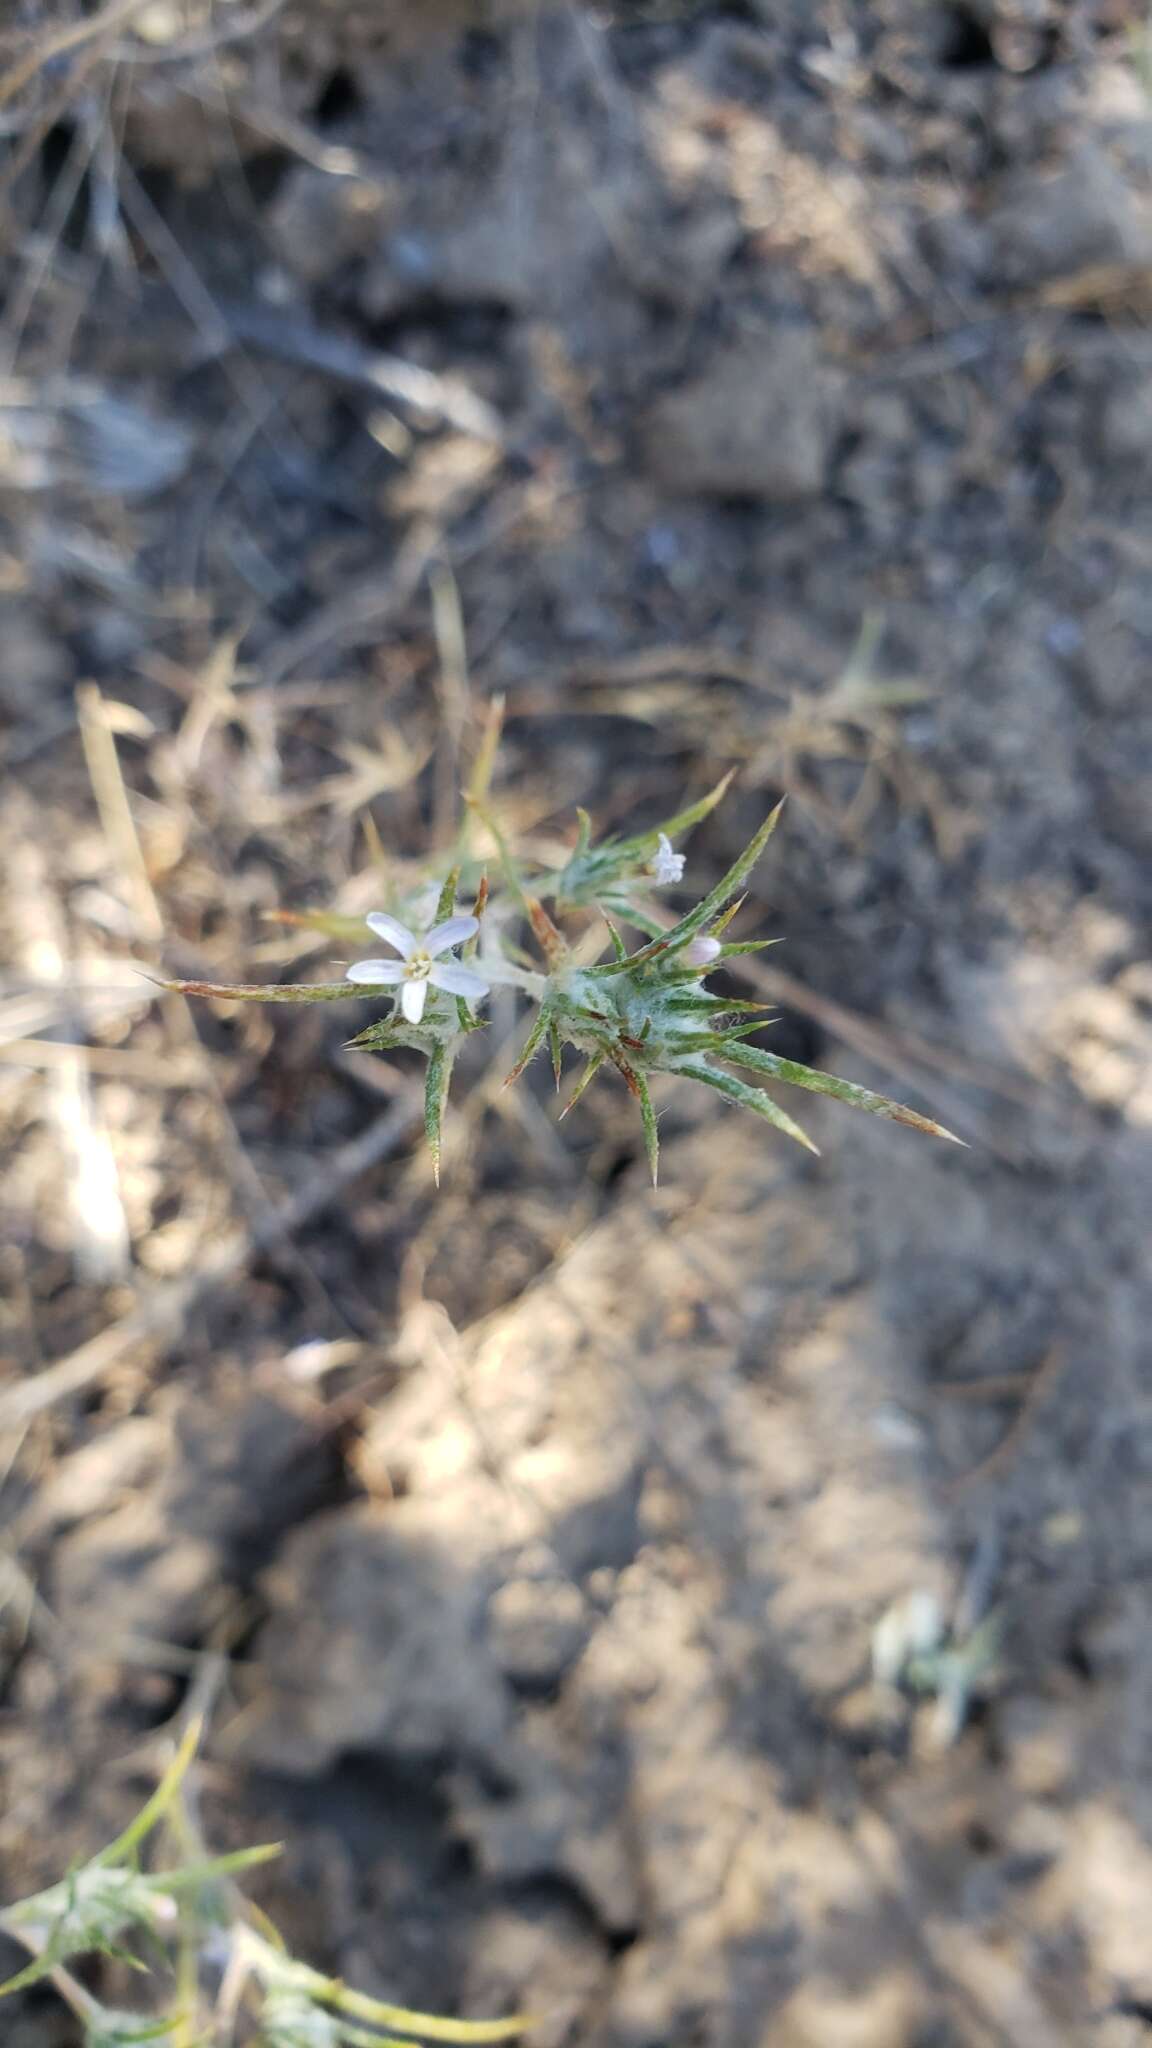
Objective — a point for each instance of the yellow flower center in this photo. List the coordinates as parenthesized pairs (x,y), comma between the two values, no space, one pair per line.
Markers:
(418,967)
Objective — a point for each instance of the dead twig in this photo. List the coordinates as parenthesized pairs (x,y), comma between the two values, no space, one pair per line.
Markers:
(453,692)
(1033,1395)
(180,50)
(49,48)
(103,762)
(269,331)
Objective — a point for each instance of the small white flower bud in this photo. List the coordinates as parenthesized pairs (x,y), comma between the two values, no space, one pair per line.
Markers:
(702,951)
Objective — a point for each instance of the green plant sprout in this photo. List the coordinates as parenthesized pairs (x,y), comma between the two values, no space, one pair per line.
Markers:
(209,1934)
(916,1650)
(639,1013)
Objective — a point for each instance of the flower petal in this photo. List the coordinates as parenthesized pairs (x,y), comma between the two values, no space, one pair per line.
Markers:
(391,929)
(376,970)
(413,996)
(452,932)
(459,981)
(666,865)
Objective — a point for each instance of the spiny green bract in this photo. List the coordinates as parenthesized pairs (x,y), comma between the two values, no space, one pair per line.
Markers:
(642,1013)
(615,873)
(649,1012)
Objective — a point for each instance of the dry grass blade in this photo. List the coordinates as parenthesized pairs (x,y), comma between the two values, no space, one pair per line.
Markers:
(115,811)
(1031,1396)
(452,691)
(50,48)
(97,1225)
(270,332)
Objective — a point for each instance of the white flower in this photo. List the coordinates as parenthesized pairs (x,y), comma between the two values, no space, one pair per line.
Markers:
(419,965)
(665,865)
(702,951)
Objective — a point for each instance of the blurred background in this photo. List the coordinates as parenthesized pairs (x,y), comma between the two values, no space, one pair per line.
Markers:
(716,1618)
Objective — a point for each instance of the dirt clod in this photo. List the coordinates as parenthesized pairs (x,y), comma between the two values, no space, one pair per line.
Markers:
(758,421)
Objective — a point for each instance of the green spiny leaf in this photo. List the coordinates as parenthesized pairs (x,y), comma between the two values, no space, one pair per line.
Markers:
(155,1808)
(633,914)
(610,871)
(707,1005)
(797,1076)
(725,919)
(727,886)
(651,1135)
(274,992)
(115,1952)
(447,900)
(435,1096)
(748,1098)
(556,1048)
(211,1867)
(382,1036)
(744,1030)
(695,920)
(591,1070)
(705,1011)
(683,821)
(716,1038)
(541,1023)
(619,949)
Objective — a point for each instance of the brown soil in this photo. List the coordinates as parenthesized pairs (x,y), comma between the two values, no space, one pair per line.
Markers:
(791,409)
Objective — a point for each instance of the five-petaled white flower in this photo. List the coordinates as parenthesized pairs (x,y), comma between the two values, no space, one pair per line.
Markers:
(419,964)
(666,866)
